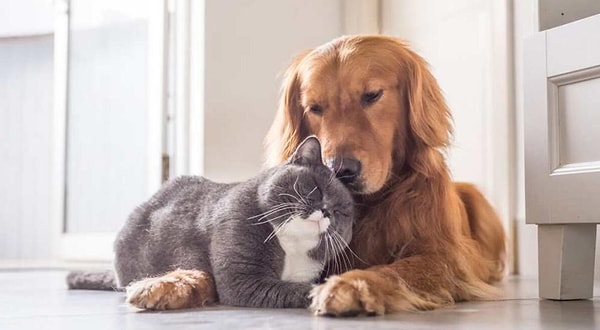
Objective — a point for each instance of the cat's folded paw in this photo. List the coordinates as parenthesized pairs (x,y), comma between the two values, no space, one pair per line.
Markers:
(346,296)
(175,290)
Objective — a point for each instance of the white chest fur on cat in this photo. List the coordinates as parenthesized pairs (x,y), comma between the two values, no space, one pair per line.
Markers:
(297,238)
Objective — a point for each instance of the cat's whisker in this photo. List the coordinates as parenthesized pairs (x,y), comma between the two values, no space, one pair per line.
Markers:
(333,254)
(298,193)
(336,262)
(312,191)
(324,260)
(345,260)
(275,218)
(273,232)
(276,231)
(279,203)
(337,255)
(345,176)
(331,178)
(330,254)
(347,246)
(339,167)
(292,205)
(272,216)
(299,206)
(280,227)
(335,171)
(292,196)
(273,211)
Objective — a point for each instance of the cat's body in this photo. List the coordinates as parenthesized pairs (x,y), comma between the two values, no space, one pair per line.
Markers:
(264,241)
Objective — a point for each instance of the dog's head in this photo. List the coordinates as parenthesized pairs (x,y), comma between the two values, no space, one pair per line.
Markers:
(371,101)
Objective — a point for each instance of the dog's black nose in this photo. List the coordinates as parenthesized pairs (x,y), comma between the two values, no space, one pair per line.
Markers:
(346,170)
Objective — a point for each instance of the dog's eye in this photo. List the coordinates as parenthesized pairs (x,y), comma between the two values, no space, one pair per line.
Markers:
(369,98)
(316,109)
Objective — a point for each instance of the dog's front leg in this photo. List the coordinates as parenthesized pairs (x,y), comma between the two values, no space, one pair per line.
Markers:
(418,282)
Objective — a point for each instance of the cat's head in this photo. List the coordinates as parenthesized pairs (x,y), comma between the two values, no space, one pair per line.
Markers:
(305,191)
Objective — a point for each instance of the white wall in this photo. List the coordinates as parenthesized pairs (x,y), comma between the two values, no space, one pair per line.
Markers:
(26,100)
(26,74)
(248,44)
(525,22)
(26,17)
(25,138)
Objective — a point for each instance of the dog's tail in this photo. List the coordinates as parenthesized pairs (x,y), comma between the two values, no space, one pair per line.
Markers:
(486,228)
(96,280)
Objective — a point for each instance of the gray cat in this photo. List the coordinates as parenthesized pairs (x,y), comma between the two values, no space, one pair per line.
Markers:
(263,241)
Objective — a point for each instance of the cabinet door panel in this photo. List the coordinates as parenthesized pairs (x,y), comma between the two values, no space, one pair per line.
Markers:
(562,120)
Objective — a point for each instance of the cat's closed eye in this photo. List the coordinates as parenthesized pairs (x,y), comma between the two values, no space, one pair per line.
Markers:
(340,213)
(315,195)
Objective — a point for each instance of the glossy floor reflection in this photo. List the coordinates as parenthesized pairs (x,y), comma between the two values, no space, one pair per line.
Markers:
(39,300)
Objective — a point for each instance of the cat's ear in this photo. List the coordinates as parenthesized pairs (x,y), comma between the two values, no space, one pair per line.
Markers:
(308,152)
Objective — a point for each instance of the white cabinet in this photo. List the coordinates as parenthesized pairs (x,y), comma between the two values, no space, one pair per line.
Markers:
(562,154)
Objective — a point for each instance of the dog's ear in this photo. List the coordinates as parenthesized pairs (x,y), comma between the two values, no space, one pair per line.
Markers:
(287,130)
(428,115)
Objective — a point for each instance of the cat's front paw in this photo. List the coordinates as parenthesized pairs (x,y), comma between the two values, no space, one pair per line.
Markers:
(346,295)
(175,290)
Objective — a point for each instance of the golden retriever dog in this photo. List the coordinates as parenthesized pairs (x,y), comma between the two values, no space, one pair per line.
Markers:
(421,241)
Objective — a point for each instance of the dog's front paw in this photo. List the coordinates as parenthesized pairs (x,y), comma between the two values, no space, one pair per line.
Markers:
(346,296)
(175,290)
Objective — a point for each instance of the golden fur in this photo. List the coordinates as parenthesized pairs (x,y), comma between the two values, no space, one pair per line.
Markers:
(174,290)
(423,241)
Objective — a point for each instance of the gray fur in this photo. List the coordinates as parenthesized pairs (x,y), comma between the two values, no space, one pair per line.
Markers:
(194,223)
(102,280)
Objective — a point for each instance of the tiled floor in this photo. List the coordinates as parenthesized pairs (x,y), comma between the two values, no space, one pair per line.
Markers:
(39,300)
